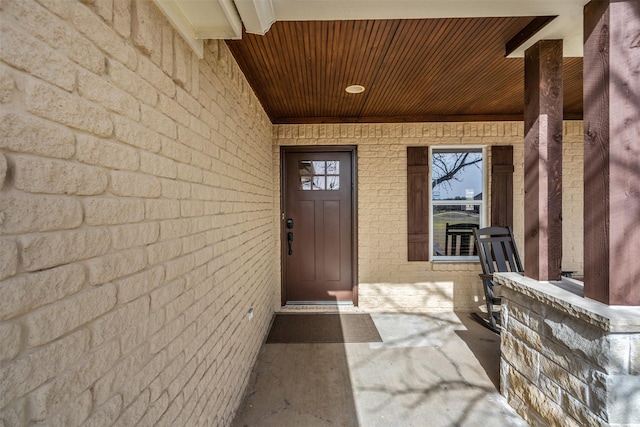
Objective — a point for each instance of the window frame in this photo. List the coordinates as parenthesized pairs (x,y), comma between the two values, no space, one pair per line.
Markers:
(482,203)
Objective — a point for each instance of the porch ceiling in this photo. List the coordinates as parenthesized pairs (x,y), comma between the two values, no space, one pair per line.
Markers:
(448,69)
(419,60)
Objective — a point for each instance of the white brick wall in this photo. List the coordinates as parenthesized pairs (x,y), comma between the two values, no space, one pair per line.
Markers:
(387,281)
(572,197)
(136,203)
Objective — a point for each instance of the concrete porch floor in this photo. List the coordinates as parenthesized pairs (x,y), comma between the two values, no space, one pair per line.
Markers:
(435,369)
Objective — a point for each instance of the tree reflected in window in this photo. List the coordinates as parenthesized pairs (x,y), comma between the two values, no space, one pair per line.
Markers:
(454,174)
(319,175)
(456,201)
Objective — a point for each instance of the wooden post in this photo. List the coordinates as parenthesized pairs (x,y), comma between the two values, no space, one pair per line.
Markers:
(612,151)
(543,160)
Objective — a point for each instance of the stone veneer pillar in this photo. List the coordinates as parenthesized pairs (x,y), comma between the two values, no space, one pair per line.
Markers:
(567,360)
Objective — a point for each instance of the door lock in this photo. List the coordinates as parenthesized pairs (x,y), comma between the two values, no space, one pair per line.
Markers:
(290,223)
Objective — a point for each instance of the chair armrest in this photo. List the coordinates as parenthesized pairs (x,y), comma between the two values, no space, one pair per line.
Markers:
(486,276)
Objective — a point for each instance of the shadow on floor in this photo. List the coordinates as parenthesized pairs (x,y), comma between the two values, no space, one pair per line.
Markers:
(430,370)
(484,346)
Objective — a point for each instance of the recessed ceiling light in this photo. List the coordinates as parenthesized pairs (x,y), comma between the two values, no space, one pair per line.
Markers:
(354,89)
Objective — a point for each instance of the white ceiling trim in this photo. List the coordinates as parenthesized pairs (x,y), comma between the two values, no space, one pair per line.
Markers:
(197,20)
(333,10)
(223,19)
(257,15)
(567,26)
(181,23)
(234,28)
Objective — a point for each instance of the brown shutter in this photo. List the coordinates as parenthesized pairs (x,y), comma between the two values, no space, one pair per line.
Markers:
(502,186)
(418,187)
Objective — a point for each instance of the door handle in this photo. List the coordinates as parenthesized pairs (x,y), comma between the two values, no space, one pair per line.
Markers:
(289,240)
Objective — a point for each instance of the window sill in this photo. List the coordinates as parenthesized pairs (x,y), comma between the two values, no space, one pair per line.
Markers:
(474,260)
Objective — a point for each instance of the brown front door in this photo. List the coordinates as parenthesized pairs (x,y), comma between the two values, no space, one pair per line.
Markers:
(318,225)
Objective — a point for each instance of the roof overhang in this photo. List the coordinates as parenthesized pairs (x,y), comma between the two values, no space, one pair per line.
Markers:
(197,20)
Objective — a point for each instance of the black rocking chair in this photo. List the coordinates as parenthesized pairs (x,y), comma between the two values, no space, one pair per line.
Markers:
(461,238)
(498,253)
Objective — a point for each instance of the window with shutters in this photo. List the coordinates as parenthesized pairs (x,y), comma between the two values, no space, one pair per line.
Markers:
(457,201)
(422,204)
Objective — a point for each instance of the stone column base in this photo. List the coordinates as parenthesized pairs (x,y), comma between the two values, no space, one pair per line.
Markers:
(567,360)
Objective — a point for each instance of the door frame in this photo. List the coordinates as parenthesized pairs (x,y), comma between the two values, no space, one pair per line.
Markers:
(353,150)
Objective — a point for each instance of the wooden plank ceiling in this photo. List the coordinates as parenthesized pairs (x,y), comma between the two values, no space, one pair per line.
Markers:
(413,70)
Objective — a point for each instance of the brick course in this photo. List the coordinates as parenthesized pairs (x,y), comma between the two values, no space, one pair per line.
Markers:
(387,281)
(28,134)
(111,291)
(138,215)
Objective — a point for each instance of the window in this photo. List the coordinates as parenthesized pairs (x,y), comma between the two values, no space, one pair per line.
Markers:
(457,202)
(319,175)
(420,201)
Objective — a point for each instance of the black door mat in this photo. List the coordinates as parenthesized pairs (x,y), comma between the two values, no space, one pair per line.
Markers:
(323,328)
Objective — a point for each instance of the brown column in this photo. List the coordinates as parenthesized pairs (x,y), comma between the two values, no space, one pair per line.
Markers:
(612,151)
(543,160)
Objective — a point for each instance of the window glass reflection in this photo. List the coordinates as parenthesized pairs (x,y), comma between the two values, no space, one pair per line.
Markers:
(333,167)
(456,175)
(318,182)
(305,183)
(319,168)
(305,167)
(319,175)
(453,229)
(333,182)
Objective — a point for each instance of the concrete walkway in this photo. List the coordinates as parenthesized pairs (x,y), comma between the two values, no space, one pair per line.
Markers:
(439,369)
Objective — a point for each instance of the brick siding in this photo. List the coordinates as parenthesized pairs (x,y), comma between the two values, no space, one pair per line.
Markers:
(387,281)
(136,203)
(139,201)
